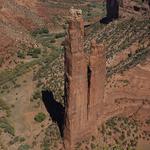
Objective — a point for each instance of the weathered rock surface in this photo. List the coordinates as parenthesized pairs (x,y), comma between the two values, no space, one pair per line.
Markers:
(84,83)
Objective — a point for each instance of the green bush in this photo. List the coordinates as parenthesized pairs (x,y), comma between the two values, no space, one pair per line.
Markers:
(1,61)
(94,5)
(21,54)
(4,124)
(52,138)
(148,121)
(34,52)
(40,31)
(40,117)
(36,95)
(60,35)
(24,147)
(52,41)
(15,140)
(4,107)
(22,139)
(93,146)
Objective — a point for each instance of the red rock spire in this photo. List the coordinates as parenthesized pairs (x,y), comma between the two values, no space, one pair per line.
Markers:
(84,83)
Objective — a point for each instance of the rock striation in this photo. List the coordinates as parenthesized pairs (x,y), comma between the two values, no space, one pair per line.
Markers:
(84,83)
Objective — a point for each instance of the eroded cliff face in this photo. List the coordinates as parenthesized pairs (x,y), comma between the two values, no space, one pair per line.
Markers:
(137,9)
(76,83)
(127,8)
(84,83)
(97,68)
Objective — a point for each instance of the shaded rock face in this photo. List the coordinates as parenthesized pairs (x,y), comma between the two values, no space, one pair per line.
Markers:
(112,9)
(126,9)
(84,83)
(147,1)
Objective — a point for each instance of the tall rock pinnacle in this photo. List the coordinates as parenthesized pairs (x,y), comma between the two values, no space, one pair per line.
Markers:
(84,83)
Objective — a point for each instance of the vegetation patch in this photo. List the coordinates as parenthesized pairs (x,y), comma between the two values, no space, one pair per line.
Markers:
(4,107)
(34,52)
(148,121)
(6,126)
(21,54)
(52,138)
(1,60)
(60,35)
(40,117)
(130,62)
(40,31)
(121,131)
(24,147)
(10,75)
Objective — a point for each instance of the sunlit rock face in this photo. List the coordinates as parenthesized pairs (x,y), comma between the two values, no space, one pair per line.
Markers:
(84,83)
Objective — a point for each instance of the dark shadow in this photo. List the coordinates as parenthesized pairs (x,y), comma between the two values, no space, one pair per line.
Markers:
(147,1)
(112,7)
(106,20)
(87,25)
(90,24)
(54,108)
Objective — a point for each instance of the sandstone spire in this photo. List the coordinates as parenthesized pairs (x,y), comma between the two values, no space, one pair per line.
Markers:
(75,81)
(84,83)
(97,69)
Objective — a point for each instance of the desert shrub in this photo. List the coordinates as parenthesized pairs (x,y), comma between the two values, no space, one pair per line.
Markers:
(60,35)
(5,87)
(93,146)
(5,125)
(123,128)
(17,85)
(117,147)
(1,61)
(113,147)
(52,138)
(94,5)
(34,52)
(40,31)
(21,54)
(53,41)
(40,117)
(24,147)
(22,139)
(136,58)
(9,75)
(36,95)
(78,146)
(130,54)
(148,121)
(89,13)
(4,107)
(15,140)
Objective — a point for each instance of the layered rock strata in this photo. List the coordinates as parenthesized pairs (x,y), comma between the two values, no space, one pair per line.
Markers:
(84,83)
